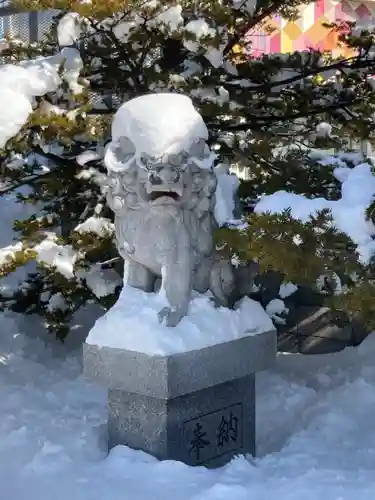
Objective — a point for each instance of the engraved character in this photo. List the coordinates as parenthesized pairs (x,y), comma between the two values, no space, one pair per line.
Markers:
(227,430)
(199,441)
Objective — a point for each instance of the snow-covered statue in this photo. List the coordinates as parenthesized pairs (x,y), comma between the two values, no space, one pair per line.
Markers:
(161,187)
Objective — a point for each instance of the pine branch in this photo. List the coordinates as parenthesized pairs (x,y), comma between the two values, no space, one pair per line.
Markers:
(351,63)
(33,179)
(29,180)
(256,122)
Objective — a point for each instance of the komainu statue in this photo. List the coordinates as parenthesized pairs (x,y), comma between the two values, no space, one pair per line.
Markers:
(161,187)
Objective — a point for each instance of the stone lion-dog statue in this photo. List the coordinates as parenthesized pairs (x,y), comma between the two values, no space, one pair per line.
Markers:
(161,186)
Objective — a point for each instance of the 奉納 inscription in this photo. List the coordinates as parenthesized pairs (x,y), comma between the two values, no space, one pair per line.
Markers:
(214,434)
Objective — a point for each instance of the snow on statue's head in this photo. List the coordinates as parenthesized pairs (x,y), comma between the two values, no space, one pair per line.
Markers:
(154,125)
(161,186)
(159,140)
(158,160)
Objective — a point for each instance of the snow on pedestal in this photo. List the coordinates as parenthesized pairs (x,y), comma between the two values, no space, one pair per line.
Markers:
(132,324)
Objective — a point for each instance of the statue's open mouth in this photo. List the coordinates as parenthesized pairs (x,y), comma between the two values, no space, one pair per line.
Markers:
(163,194)
(156,195)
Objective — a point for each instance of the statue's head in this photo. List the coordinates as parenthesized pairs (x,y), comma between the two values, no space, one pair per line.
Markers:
(159,152)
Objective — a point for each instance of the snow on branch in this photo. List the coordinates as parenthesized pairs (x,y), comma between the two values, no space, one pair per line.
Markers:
(20,84)
(349,212)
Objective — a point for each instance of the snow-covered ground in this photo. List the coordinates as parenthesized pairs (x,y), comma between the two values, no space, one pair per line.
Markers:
(315,427)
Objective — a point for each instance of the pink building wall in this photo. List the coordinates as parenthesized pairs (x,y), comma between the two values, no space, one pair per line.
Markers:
(308,31)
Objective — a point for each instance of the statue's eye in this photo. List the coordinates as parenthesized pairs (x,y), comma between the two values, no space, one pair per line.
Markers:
(151,163)
(185,158)
(143,160)
(175,160)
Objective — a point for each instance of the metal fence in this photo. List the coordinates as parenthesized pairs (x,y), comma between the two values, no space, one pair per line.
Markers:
(26,26)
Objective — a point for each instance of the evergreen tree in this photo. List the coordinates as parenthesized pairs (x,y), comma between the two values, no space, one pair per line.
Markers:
(264,115)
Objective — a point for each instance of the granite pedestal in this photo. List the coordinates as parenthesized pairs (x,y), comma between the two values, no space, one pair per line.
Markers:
(197,407)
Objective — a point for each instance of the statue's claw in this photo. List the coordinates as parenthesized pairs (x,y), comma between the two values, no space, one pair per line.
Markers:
(171,316)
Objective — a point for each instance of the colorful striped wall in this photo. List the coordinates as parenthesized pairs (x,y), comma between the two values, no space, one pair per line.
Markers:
(308,31)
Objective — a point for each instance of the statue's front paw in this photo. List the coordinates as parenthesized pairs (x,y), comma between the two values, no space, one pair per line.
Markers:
(171,316)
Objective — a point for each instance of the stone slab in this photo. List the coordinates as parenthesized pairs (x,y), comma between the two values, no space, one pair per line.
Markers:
(168,377)
(207,427)
(317,330)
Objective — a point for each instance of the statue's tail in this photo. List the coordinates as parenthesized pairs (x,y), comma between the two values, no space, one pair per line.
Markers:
(222,282)
(229,284)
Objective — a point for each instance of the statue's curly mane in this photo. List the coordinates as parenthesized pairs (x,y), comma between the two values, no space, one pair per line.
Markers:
(196,210)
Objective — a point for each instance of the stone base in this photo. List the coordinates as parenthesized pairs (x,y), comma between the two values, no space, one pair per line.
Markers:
(207,427)
(197,407)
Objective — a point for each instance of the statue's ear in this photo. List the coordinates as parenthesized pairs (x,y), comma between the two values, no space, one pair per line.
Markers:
(199,149)
(126,146)
(119,154)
